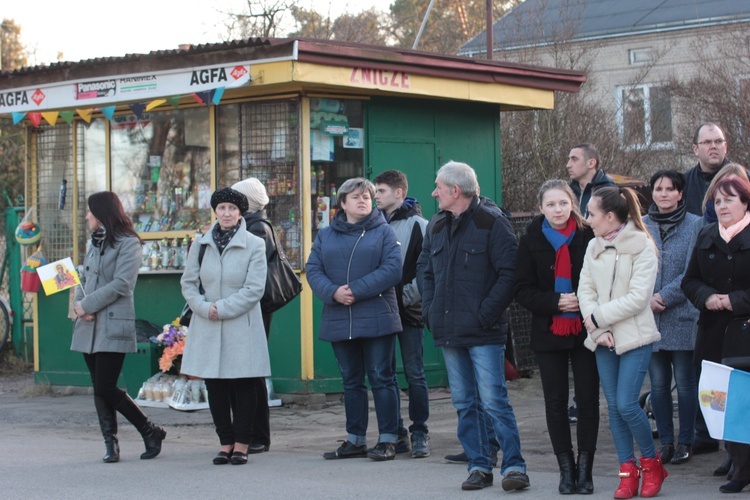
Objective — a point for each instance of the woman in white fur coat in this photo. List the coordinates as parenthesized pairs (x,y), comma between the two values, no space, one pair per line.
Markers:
(614,293)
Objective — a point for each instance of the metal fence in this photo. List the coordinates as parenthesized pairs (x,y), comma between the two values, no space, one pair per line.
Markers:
(520,319)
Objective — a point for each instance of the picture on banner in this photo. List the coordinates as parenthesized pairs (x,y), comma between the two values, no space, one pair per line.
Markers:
(58,276)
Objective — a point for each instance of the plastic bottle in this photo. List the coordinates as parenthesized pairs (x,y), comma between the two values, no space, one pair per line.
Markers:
(321,182)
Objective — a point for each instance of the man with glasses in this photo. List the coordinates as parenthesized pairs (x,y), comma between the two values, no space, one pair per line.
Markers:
(710,146)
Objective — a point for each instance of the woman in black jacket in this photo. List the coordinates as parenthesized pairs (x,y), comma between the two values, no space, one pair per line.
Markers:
(550,257)
(257,223)
(717,283)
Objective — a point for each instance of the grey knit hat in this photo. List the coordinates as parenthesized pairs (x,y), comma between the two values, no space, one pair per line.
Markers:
(257,198)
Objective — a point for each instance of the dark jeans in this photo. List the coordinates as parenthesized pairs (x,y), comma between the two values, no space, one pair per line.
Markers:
(553,368)
(412,357)
(660,373)
(232,404)
(105,368)
(373,356)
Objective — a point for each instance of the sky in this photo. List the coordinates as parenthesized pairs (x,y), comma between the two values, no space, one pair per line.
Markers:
(86,30)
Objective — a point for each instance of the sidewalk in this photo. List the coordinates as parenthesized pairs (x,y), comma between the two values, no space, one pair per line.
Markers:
(52,448)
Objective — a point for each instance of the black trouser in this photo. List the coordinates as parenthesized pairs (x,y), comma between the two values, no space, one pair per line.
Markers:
(553,368)
(260,433)
(740,454)
(105,368)
(232,404)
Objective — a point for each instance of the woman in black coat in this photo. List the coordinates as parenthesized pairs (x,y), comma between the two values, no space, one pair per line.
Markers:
(557,334)
(717,282)
(256,221)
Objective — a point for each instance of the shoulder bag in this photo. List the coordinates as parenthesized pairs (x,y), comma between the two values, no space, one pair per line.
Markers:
(187,314)
(735,351)
(282,283)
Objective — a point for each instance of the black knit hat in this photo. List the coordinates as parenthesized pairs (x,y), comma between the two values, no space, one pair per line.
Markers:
(229,195)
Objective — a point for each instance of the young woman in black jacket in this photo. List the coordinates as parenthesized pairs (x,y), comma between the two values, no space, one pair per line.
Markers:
(550,257)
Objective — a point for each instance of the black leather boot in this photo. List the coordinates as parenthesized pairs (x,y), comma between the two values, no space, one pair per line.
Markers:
(585,482)
(108,424)
(567,464)
(152,435)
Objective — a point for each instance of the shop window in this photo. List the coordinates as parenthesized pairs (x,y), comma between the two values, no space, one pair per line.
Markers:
(92,173)
(161,170)
(337,153)
(645,116)
(261,139)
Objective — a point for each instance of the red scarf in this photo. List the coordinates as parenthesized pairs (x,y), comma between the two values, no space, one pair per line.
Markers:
(563,323)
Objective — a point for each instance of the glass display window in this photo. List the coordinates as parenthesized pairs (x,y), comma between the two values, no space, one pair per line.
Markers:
(336,153)
(261,139)
(161,169)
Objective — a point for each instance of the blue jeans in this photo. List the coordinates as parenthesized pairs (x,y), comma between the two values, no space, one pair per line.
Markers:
(477,377)
(660,373)
(412,356)
(373,356)
(622,377)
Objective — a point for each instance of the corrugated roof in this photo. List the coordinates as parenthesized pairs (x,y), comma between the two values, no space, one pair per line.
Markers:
(541,21)
(307,50)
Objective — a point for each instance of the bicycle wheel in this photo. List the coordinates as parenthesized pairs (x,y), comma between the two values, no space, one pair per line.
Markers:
(4,324)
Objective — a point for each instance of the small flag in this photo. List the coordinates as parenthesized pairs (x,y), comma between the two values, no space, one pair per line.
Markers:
(67,116)
(58,276)
(109,111)
(724,397)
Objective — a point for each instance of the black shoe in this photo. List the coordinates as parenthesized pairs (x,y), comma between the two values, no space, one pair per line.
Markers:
(382,451)
(222,458)
(420,445)
(682,454)
(402,445)
(253,448)
(347,450)
(238,458)
(702,447)
(666,452)
(477,480)
(457,458)
(515,480)
(152,438)
(733,486)
(723,469)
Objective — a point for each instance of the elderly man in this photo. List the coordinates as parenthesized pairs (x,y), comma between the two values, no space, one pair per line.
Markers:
(468,260)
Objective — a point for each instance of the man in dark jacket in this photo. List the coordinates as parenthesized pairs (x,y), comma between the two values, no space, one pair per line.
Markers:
(585,174)
(405,217)
(710,146)
(466,273)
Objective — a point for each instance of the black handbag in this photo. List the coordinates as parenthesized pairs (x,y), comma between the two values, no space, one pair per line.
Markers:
(187,314)
(282,283)
(735,351)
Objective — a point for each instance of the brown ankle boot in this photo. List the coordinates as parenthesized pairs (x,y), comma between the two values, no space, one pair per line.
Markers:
(630,475)
(654,474)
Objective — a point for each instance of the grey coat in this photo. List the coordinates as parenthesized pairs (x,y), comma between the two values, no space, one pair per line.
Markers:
(109,276)
(676,323)
(235,345)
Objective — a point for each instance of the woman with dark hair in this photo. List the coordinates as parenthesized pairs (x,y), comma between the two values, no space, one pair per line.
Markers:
(550,257)
(717,283)
(353,267)
(614,294)
(227,343)
(104,330)
(671,228)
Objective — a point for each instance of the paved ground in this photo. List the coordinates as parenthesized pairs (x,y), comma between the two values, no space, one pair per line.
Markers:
(50,448)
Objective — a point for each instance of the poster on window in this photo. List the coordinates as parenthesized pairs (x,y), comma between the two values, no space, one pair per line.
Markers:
(354,139)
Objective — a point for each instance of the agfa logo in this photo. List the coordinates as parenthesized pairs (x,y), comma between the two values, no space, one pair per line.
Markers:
(38,97)
(238,72)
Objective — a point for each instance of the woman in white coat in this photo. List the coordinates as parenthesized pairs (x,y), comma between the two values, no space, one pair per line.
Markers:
(226,344)
(614,293)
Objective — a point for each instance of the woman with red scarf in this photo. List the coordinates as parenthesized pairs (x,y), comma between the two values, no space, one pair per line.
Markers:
(550,257)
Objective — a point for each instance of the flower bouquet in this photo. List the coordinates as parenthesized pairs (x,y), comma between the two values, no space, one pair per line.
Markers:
(172,338)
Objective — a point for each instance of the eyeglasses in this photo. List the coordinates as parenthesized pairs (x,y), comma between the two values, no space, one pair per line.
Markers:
(715,142)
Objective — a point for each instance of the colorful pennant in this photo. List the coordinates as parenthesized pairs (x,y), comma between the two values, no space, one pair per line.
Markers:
(17,117)
(109,111)
(67,116)
(137,109)
(35,118)
(85,114)
(155,104)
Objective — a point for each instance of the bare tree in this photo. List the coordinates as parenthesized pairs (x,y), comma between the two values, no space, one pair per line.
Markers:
(261,18)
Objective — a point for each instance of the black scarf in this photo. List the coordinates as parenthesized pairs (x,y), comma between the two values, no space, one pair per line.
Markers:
(98,236)
(668,221)
(222,238)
